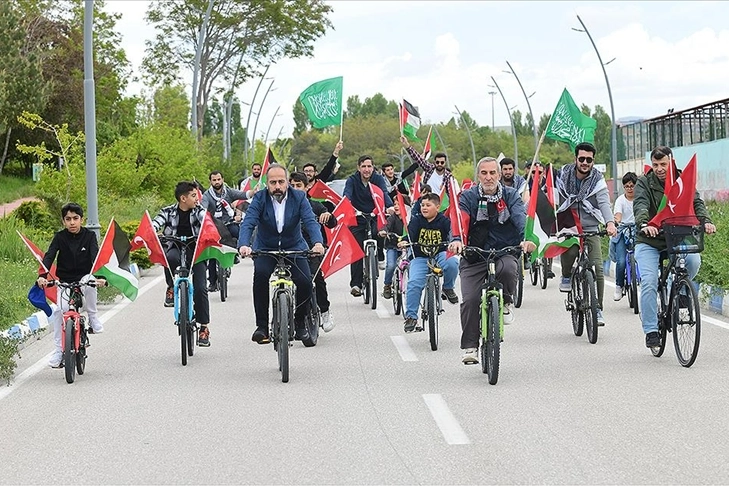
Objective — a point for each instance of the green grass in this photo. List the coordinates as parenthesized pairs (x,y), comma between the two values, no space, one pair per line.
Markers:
(12,188)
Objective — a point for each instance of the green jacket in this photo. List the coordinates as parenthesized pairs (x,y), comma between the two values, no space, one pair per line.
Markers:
(648,195)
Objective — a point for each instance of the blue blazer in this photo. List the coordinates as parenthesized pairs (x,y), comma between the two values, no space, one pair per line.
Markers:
(260,215)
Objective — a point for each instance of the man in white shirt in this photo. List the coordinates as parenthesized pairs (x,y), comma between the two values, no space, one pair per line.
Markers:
(623,215)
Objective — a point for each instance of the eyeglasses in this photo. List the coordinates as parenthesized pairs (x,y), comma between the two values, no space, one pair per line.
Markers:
(589,160)
(440,162)
(629,186)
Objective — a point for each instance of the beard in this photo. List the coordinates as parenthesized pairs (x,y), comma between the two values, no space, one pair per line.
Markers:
(278,195)
(217,187)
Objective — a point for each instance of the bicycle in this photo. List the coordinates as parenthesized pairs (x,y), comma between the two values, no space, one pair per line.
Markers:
(632,273)
(678,310)
(581,300)
(539,272)
(183,292)
(519,290)
(74,333)
(370,271)
(283,300)
(492,309)
(400,282)
(222,280)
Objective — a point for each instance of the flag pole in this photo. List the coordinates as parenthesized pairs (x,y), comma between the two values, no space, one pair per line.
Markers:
(539,145)
(341,122)
(399,116)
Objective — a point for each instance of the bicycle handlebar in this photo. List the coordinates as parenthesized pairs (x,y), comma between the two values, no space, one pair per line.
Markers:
(70,285)
(284,253)
(492,253)
(186,240)
(584,234)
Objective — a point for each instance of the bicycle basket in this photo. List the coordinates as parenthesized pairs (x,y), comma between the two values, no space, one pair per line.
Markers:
(684,235)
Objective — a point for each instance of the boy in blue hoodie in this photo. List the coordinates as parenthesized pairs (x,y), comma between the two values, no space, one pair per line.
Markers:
(428,228)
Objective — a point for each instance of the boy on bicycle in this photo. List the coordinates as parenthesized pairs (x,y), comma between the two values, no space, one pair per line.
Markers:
(429,228)
(76,248)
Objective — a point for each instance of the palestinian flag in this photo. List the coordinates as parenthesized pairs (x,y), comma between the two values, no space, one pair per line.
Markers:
(417,182)
(146,237)
(568,221)
(112,261)
(403,213)
(267,161)
(541,222)
(209,246)
(409,120)
(51,293)
(429,144)
(444,199)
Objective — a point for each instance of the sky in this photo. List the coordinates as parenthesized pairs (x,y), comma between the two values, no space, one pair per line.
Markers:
(442,54)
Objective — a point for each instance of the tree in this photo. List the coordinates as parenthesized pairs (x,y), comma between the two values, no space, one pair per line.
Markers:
(251,32)
(171,106)
(301,119)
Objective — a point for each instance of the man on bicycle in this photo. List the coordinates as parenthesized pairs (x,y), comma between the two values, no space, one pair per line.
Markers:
(298,181)
(357,190)
(278,213)
(428,228)
(585,199)
(497,220)
(649,191)
(218,201)
(185,218)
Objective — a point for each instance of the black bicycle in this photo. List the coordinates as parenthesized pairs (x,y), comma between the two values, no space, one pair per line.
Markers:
(539,272)
(632,273)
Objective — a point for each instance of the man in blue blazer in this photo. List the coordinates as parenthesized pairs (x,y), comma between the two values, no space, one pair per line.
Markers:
(278,214)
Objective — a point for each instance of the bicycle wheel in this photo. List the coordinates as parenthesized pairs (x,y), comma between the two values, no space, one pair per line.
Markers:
(81,354)
(69,351)
(685,321)
(283,318)
(664,322)
(312,321)
(432,294)
(396,294)
(222,282)
(491,345)
(589,295)
(366,275)
(373,277)
(519,293)
(534,272)
(576,295)
(633,287)
(544,272)
(191,337)
(182,321)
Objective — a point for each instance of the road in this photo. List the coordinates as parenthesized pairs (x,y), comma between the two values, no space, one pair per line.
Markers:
(368,404)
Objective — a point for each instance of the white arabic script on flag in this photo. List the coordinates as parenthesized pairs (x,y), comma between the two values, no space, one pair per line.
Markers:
(324,104)
(564,127)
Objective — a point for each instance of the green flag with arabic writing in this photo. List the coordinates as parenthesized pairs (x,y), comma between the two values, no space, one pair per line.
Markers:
(323,102)
(569,124)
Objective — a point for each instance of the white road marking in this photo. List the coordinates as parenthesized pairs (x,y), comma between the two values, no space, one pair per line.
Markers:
(402,346)
(447,423)
(42,363)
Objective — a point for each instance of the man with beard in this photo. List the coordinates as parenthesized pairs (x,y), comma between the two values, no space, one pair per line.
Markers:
(436,175)
(218,201)
(250,185)
(584,193)
(278,213)
(510,178)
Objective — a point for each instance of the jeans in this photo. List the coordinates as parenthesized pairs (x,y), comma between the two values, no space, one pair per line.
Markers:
(360,234)
(416,280)
(392,255)
(620,255)
(647,258)
(594,254)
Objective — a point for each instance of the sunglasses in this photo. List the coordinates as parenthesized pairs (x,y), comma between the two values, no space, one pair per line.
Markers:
(440,162)
(589,160)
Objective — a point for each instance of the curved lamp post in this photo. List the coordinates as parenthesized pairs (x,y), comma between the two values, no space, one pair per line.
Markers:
(196,67)
(275,114)
(255,124)
(470,139)
(511,119)
(248,121)
(613,127)
(529,106)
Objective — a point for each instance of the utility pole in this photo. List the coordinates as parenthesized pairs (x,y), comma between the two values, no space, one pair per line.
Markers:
(92,200)
(493,124)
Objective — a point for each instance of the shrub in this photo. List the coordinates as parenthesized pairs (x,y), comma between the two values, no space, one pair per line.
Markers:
(8,350)
(714,270)
(36,214)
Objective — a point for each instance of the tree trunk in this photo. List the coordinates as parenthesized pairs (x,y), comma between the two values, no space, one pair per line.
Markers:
(5,151)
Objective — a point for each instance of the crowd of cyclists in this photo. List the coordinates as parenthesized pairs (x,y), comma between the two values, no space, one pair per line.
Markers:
(273,211)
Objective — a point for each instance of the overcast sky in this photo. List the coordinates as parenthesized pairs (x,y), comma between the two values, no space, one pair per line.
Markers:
(438,54)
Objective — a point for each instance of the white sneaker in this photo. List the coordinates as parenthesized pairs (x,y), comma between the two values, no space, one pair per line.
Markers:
(327,323)
(470,356)
(508,313)
(96,325)
(618,293)
(56,359)
(381,265)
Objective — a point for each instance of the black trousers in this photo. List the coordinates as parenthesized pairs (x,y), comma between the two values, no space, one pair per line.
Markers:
(360,234)
(263,267)
(320,285)
(200,292)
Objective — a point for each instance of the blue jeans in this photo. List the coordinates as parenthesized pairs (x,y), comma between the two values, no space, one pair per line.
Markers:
(620,255)
(392,254)
(416,280)
(647,258)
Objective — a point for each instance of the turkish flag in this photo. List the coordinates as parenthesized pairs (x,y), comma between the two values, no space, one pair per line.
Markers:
(343,250)
(321,192)
(146,237)
(379,199)
(416,186)
(680,197)
(345,213)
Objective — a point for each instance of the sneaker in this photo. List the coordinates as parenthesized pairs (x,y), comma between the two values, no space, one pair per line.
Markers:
(600,318)
(356,291)
(213,288)
(618,293)
(170,298)
(550,274)
(381,264)
(653,340)
(203,337)
(565,285)
(327,323)
(470,356)
(56,360)
(508,313)
(260,335)
(450,294)
(410,324)
(387,292)
(96,326)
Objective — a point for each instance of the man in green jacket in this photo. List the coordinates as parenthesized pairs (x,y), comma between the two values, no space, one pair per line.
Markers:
(649,191)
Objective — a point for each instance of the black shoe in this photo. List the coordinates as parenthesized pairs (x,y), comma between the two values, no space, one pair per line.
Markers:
(410,324)
(302,334)
(169,298)
(260,335)
(550,274)
(213,288)
(450,294)
(653,340)
(203,337)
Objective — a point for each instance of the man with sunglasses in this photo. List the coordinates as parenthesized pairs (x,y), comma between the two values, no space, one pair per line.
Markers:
(585,202)
(436,175)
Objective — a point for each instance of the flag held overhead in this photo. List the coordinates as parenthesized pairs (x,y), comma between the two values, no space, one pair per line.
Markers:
(323,102)
(409,120)
(569,124)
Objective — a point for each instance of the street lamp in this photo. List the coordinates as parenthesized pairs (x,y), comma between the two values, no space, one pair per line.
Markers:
(468,130)
(92,192)
(511,119)
(493,124)
(275,114)
(613,127)
(255,124)
(248,121)
(196,67)
(529,106)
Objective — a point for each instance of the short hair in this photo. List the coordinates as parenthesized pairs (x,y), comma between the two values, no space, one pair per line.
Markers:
(309,165)
(257,164)
(587,147)
(184,187)
(298,177)
(387,164)
(439,155)
(630,177)
(487,159)
(432,197)
(72,207)
(507,161)
(277,166)
(661,151)
(363,158)
(426,188)
(215,172)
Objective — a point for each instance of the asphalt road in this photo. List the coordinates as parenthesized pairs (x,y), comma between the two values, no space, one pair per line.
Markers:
(368,404)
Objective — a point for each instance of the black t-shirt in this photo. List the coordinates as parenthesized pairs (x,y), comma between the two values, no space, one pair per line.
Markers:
(183,225)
